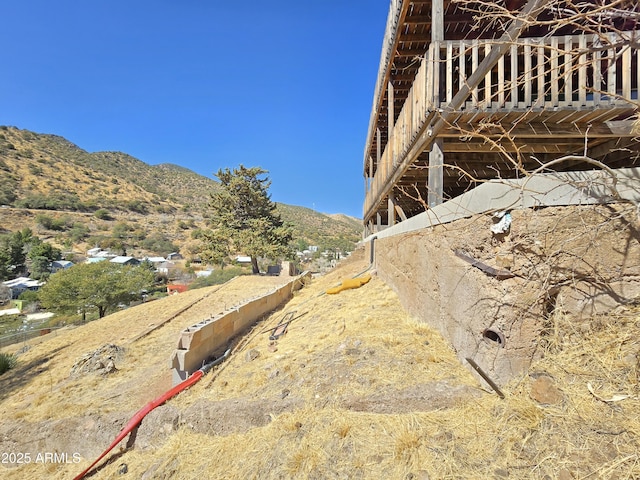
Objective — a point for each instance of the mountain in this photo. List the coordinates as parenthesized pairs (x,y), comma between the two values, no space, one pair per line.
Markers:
(51,166)
(44,174)
(314,228)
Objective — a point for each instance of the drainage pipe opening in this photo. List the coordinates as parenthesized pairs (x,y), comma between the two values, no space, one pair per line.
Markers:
(493,337)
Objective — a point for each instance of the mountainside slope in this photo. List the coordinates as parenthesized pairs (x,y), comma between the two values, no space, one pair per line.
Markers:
(102,179)
(355,389)
(47,172)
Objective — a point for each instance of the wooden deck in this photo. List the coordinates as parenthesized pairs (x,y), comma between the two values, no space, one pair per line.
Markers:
(494,108)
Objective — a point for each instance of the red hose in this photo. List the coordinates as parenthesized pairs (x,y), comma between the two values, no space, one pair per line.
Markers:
(140,414)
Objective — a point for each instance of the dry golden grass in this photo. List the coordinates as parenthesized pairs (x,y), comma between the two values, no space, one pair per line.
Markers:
(46,365)
(361,345)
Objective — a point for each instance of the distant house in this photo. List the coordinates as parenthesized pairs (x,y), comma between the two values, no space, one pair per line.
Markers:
(60,265)
(165,268)
(174,256)
(99,253)
(155,260)
(22,284)
(96,259)
(125,260)
(304,255)
(175,288)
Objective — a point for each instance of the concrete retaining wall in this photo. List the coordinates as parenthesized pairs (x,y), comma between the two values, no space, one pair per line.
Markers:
(462,302)
(543,190)
(202,340)
(579,256)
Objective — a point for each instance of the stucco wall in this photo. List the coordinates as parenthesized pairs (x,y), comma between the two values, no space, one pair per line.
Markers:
(569,263)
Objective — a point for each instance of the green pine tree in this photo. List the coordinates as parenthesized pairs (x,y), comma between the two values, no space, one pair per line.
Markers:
(244,219)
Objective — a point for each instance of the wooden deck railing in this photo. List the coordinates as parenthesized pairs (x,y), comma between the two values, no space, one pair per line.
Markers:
(573,72)
(388,44)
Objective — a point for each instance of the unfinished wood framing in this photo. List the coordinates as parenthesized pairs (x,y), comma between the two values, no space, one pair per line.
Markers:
(474,104)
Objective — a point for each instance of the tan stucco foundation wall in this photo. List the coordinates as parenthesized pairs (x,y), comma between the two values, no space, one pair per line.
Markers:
(462,302)
(573,257)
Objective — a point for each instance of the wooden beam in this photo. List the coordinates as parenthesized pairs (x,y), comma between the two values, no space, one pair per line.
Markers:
(378,147)
(405,76)
(401,213)
(418,20)
(390,119)
(539,130)
(405,65)
(457,19)
(401,89)
(411,52)
(413,38)
(509,147)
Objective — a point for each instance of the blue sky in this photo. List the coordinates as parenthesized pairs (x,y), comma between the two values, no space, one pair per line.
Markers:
(286,85)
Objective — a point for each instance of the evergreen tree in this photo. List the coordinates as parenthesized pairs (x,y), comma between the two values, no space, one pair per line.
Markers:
(5,264)
(245,219)
(40,256)
(13,253)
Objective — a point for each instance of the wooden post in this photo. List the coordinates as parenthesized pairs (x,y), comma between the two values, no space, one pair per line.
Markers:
(554,71)
(597,74)
(626,72)
(540,70)
(582,71)
(487,79)
(435,181)
(527,72)
(436,156)
(514,75)
(462,67)
(637,85)
(500,83)
(611,69)
(391,213)
(449,74)
(437,20)
(475,46)
(567,71)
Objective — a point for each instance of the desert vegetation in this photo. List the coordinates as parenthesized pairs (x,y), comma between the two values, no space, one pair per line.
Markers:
(78,200)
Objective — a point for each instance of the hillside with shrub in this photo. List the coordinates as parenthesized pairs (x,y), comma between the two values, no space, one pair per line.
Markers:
(78,200)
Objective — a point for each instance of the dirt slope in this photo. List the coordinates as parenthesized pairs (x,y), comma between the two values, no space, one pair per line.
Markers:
(355,389)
